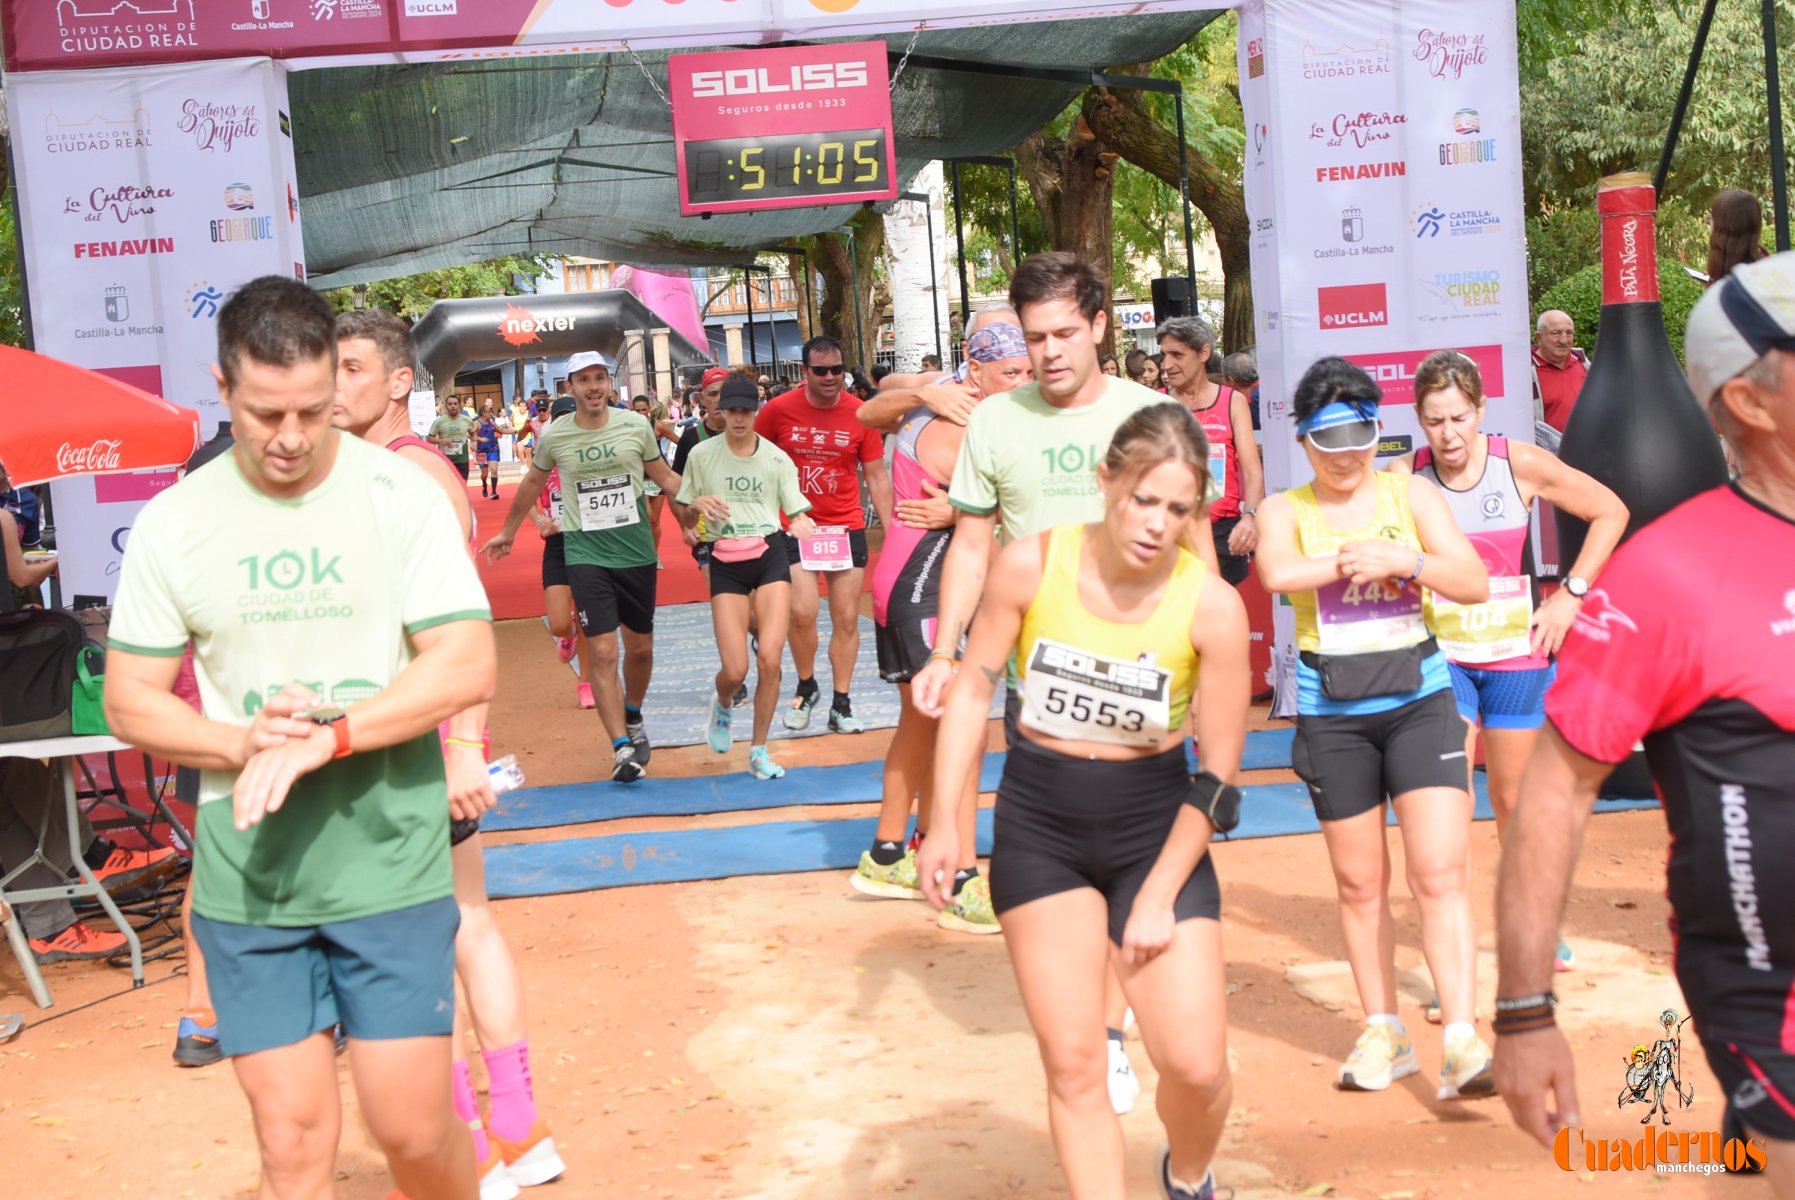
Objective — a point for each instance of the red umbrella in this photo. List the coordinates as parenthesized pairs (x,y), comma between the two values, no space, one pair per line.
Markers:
(97,426)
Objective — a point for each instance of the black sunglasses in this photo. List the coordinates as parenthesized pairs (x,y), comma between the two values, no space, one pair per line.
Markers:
(837,369)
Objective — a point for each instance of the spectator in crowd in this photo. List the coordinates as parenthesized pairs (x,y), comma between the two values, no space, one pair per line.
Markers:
(1142,369)
(1735,232)
(1108,365)
(1240,372)
(930,362)
(22,503)
(1559,369)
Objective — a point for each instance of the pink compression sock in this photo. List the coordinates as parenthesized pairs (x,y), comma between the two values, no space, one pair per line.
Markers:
(513,1110)
(467,1107)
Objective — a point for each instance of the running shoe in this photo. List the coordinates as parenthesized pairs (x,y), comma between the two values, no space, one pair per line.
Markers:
(1432,1011)
(532,1161)
(125,870)
(1566,958)
(566,648)
(584,692)
(798,715)
(196,1039)
(894,882)
(627,768)
(719,737)
(761,764)
(1176,1191)
(78,941)
(971,911)
(1379,1058)
(496,1182)
(637,734)
(844,722)
(741,697)
(1465,1072)
(1124,1085)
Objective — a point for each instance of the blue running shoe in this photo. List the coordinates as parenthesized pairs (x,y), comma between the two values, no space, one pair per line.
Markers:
(719,735)
(761,764)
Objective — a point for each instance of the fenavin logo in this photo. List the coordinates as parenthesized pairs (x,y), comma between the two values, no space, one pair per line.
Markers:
(760,81)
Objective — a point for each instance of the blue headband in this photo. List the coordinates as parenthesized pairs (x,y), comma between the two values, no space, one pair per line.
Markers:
(996,342)
(1337,412)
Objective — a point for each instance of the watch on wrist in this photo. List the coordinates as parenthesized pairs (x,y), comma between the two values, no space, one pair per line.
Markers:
(336,718)
(1577,586)
(1248,512)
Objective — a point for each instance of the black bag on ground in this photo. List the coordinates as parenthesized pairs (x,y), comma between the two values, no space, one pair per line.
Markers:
(39,649)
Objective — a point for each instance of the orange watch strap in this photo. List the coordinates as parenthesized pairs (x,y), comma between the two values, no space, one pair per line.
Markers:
(340,728)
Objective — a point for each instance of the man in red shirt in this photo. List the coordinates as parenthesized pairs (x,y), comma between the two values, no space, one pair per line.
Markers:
(815,424)
(1559,368)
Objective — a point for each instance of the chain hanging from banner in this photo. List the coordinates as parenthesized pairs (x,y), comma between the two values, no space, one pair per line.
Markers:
(898,71)
(648,75)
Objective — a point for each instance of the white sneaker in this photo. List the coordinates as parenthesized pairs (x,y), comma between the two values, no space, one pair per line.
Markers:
(1124,1086)
(1379,1058)
(1465,1070)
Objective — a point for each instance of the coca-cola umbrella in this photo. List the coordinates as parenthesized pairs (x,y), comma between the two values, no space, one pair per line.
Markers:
(79,422)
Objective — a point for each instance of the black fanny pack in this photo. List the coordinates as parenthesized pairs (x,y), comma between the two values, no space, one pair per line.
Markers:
(1374,673)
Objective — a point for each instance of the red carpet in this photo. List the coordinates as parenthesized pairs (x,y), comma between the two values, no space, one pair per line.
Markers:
(514,583)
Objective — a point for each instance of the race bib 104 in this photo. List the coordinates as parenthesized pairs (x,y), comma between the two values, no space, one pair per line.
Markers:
(1074,694)
(1500,628)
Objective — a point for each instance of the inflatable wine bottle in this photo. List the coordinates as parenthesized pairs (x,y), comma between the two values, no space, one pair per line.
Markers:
(1636,426)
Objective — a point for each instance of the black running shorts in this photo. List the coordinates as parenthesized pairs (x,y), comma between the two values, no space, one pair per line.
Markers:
(1065,823)
(742,578)
(554,562)
(605,597)
(1759,1086)
(1352,762)
(1234,567)
(906,637)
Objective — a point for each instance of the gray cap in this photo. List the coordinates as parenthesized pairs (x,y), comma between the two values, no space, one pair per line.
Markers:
(1738,320)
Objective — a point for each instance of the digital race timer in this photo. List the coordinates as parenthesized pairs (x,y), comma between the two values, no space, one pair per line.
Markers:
(823,165)
(782,127)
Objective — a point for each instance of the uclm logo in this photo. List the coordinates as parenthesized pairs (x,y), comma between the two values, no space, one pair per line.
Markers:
(521,326)
(756,81)
(1353,306)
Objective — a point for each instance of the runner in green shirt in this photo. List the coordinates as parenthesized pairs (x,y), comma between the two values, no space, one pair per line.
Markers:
(739,484)
(450,433)
(336,620)
(603,454)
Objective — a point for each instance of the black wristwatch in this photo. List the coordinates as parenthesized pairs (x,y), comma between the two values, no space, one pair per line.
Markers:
(1218,801)
(1576,585)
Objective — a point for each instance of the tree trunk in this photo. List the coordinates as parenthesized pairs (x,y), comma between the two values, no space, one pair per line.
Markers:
(797,269)
(1126,127)
(1074,190)
(915,275)
(836,316)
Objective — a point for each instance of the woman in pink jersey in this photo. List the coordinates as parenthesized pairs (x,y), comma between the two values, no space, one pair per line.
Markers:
(1500,652)
(906,594)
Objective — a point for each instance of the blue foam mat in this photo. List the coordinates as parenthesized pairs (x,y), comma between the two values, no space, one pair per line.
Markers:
(785,847)
(858,783)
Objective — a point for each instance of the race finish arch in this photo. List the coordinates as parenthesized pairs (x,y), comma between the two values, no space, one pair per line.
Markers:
(157,166)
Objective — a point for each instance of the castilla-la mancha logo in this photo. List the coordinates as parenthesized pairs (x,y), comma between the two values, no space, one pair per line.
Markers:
(100,456)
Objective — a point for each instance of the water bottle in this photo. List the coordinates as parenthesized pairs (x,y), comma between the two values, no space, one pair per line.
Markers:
(505,775)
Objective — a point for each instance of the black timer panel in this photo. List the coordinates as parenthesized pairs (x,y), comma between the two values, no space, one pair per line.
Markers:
(725,170)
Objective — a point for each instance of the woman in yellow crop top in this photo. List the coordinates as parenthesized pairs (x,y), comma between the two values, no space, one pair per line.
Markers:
(1102,836)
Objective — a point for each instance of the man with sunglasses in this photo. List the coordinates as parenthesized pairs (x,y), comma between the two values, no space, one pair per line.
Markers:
(816,425)
(1686,644)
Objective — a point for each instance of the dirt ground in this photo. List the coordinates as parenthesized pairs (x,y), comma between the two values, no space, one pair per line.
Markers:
(788,1039)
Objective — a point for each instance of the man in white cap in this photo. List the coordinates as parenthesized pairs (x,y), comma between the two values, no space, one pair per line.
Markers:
(603,454)
(1688,645)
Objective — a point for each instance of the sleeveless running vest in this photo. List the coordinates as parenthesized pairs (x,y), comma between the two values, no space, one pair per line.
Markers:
(904,543)
(412,439)
(1224,459)
(1344,617)
(1497,634)
(1087,679)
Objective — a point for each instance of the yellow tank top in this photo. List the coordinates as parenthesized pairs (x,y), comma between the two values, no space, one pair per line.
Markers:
(1343,617)
(1086,679)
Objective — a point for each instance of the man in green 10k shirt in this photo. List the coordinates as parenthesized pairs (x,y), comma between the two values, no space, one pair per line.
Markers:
(336,620)
(450,433)
(603,454)
(739,484)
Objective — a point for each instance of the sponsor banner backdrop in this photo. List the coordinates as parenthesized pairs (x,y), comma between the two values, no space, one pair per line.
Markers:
(56,34)
(145,197)
(1383,179)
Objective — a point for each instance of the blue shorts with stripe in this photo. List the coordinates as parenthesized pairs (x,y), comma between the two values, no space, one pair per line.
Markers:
(1502,699)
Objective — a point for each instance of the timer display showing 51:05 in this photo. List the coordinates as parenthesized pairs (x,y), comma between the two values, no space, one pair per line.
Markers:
(725,169)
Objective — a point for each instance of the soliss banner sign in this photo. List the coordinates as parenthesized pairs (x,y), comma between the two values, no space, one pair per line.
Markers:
(785,128)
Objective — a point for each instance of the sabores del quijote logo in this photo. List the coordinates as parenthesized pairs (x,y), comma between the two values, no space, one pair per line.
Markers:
(216,127)
(1448,54)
